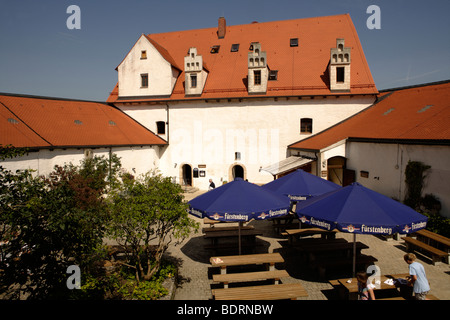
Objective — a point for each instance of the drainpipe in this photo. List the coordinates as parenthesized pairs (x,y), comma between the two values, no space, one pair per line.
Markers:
(167,122)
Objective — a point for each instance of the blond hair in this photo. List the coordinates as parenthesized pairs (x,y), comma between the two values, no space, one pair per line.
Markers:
(409,257)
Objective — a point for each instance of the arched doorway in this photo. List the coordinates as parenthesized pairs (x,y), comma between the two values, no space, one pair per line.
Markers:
(238,171)
(186,175)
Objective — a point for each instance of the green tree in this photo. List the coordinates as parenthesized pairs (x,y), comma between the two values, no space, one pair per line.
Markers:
(148,214)
(415,174)
(49,223)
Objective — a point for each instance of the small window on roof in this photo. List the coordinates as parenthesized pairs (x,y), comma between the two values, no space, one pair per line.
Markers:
(13,121)
(111,123)
(273,75)
(235,47)
(215,49)
(78,122)
(294,42)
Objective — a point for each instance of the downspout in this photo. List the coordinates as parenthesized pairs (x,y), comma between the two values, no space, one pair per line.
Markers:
(167,122)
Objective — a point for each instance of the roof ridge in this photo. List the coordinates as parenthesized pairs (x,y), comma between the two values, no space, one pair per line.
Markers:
(427,84)
(31,96)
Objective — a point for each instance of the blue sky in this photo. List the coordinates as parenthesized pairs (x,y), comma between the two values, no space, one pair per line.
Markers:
(39,55)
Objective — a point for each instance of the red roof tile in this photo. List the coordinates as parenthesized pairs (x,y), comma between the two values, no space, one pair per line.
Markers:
(416,113)
(302,70)
(41,122)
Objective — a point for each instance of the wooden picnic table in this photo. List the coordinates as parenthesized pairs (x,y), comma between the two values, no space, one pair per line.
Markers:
(350,286)
(283,291)
(435,240)
(232,233)
(263,258)
(429,236)
(282,223)
(327,247)
(296,233)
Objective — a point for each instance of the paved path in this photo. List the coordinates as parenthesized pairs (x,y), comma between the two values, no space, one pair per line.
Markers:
(195,269)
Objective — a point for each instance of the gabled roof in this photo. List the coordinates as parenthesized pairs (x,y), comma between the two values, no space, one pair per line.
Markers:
(419,114)
(39,122)
(302,70)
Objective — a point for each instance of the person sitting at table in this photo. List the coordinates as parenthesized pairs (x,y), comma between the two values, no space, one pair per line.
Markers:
(365,289)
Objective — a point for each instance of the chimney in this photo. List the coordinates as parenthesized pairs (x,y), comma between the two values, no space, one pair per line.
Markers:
(222,29)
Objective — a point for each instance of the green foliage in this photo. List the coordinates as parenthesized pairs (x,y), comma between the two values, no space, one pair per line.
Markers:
(147,214)
(414,178)
(49,224)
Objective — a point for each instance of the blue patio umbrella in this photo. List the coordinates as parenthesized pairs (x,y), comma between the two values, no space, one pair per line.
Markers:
(301,185)
(359,210)
(239,201)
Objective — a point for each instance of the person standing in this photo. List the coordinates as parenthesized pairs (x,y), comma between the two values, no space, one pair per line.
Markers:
(211,185)
(418,278)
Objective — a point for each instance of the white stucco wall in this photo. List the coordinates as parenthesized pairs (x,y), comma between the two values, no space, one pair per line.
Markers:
(136,160)
(209,133)
(386,165)
(161,75)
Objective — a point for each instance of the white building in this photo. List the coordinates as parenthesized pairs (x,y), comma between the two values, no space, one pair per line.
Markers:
(374,146)
(59,131)
(229,100)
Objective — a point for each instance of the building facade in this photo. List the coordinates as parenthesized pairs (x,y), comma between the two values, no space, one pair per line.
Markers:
(229,100)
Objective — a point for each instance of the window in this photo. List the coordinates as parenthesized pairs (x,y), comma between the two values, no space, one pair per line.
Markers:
(293,42)
(235,47)
(340,74)
(144,80)
(257,77)
(306,125)
(193,81)
(237,156)
(364,174)
(215,49)
(144,54)
(160,127)
(273,75)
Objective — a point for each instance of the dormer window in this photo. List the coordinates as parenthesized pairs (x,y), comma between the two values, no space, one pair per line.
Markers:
(215,49)
(193,81)
(143,54)
(273,75)
(235,47)
(294,42)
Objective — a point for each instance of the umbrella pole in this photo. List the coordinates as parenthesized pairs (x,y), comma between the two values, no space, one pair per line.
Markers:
(239,235)
(354,255)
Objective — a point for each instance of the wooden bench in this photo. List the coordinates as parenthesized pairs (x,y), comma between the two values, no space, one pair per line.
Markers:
(275,275)
(332,248)
(231,247)
(435,240)
(283,291)
(349,287)
(263,258)
(414,244)
(296,233)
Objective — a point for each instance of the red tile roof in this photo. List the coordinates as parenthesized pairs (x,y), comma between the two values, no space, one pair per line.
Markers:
(302,70)
(420,113)
(44,122)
